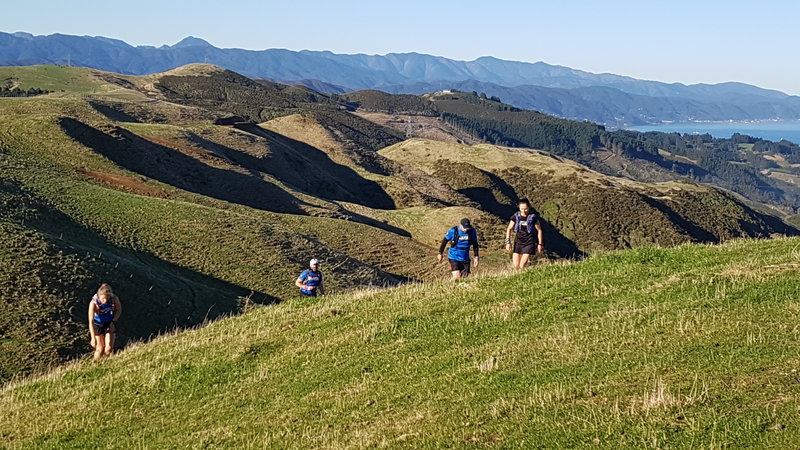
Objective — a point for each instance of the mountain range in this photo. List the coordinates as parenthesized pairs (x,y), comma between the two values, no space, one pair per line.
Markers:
(607,99)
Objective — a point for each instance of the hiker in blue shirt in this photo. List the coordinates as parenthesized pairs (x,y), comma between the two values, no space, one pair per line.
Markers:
(528,234)
(310,280)
(461,237)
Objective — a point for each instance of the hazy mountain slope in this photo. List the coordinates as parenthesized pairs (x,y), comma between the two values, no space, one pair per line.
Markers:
(567,92)
(616,108)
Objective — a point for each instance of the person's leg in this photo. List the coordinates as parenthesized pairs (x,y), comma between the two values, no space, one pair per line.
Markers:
(465,269)
(109,347)
(523,259)
(99,346)
(515,260)
(455,269)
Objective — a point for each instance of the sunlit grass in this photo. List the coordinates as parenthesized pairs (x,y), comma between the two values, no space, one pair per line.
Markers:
(695,346)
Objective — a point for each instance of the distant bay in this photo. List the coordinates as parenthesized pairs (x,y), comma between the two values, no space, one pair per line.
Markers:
(770,130)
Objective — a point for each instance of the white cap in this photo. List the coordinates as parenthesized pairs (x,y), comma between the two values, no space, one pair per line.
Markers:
(313,262)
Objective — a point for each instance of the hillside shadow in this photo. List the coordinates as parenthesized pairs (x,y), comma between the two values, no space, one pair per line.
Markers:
(266,165)
(776,224)
(485,197)
(761,226)
(305,168)
(172,167)
(114,114)
(308,169)
(555,242)
(694,231)
(367,138)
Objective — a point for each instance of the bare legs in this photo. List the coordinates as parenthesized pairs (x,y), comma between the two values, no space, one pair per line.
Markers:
(518,261)
(103,345)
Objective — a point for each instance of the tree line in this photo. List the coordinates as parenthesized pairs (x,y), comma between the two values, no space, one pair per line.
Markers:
(8,91)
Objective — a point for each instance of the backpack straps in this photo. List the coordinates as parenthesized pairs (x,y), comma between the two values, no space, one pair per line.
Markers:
(454,241)
(529,221)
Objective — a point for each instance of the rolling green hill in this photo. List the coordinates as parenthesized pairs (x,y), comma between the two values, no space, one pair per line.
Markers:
(695,346)
(151,184)
(584,210)
(760,170)
(170,214)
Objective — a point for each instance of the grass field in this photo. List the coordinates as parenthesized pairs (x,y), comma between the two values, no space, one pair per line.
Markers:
(51,78)
(690,347)
(192,221)
(72,219)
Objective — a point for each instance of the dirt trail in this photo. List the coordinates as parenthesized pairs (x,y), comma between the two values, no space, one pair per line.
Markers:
(123,182)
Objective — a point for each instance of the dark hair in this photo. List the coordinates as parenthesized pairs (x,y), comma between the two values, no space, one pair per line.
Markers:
(525,201)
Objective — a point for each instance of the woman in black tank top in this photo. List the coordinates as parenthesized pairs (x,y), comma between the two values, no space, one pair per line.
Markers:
(528,239)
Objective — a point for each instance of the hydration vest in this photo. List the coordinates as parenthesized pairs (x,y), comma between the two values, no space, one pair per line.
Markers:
(312,278)
(529,223)
(104,312)
(458,237)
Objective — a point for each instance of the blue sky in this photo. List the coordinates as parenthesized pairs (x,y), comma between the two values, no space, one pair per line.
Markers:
(680,41)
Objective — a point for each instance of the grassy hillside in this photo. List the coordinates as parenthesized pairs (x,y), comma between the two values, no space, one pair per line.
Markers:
(170,214)
(50,265)
(586,211)
(406,186)
(136,181)
(694,346)
(223,91)
(741,164)
(52,78)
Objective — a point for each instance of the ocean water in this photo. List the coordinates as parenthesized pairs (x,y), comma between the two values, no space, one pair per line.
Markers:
(773,131)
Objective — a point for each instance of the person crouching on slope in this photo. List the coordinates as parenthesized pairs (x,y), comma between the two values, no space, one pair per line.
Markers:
(523,223)
(461,237)
(105,310)
(310,280)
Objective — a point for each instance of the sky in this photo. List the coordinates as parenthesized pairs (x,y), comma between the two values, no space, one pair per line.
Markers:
(700,41)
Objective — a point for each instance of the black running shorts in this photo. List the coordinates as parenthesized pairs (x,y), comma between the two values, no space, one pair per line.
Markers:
(101,328)
(524,247)
(460,266)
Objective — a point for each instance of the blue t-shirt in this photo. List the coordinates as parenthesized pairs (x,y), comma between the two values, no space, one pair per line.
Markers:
(460,252)
(310,278)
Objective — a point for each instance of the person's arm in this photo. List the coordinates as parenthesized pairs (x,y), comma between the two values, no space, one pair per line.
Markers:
(299,281)
(447,238)
(509,229)
(540,234)
(441,248)
(117,311)
(475,247)
(91,319)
